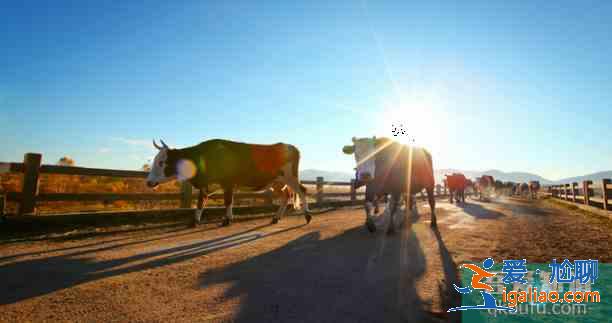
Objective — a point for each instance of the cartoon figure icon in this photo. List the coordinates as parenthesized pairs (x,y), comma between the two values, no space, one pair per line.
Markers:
(476,283)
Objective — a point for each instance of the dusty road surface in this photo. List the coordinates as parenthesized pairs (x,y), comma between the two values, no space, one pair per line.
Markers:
(331,270)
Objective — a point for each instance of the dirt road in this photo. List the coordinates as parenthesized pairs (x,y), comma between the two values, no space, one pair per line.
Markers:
(331,270)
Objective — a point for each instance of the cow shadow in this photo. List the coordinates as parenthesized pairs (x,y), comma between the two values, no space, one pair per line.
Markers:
(351,277)
(527,207)
(479,212)
(35,277)
(450,298)
(163,235)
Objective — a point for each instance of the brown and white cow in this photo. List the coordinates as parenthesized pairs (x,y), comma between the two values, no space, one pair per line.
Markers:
(388,167)
(456,183)
(232,165)
(485,185)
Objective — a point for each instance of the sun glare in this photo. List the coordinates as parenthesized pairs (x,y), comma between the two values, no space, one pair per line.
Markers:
(419,123)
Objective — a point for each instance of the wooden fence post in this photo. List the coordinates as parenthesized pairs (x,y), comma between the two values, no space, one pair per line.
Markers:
(566,192)
(604,192)
(354,190)
(319,189)
(29,189)
(186,195)
(574,185)
(587,193)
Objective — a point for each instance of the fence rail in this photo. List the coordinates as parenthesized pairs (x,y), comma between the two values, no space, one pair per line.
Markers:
(31,168)
(584,193)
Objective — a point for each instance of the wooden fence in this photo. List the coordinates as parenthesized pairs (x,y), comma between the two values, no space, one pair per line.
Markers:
(584,193)
(31,168)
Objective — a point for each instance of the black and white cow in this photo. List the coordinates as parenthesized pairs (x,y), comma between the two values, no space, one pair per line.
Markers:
(385,166)
(232,165)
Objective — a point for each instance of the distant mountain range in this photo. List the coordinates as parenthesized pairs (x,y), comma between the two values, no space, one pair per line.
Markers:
(312,174)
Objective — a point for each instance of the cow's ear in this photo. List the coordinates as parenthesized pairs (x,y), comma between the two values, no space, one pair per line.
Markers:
(185,170)
(348,149)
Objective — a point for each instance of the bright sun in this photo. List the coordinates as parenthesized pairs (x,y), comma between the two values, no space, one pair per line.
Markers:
(417,122)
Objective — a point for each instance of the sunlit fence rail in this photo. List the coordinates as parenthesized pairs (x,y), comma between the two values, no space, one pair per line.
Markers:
(320,192)
(591,194)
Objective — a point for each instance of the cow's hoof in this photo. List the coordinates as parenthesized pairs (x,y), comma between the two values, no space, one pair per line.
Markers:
(371,225)
(226,222)
(274,220)
(433,223)
(194,224)
(308,218)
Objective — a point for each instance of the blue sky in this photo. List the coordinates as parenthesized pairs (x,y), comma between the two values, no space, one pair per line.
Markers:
(514,86)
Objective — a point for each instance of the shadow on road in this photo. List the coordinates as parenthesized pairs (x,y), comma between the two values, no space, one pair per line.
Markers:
(36,277)
(352,277)
(525,207)
(450,298)
(479,212)
(108,243)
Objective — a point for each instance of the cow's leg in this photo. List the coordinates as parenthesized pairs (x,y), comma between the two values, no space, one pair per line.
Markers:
(375,202)
(284,194)
(450,196)
(412,202)
(370,196)
(292,181)
(228,197)
(463,196)
(202,201)
(394,202)
(432,205)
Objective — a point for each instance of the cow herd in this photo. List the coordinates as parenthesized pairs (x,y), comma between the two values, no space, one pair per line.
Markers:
(486,186)
(385,167)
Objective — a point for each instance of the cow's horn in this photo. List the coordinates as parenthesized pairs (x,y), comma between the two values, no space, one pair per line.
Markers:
(156,146)
(163,144)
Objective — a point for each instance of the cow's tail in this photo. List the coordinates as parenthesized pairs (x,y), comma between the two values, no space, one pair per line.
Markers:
(294,156)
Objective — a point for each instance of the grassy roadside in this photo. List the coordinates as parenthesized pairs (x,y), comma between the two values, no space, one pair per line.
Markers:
(600,217)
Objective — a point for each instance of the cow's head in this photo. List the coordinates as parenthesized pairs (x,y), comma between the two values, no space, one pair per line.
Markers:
(364,150)
(168,165)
